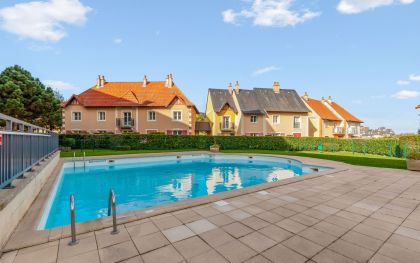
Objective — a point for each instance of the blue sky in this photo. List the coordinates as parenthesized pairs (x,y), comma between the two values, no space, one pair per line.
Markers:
(364,53)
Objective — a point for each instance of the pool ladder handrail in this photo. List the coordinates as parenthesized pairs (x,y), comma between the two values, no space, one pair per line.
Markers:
(73,241)
(113,208)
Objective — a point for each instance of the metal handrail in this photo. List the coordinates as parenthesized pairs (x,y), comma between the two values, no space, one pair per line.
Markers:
(73,241)
(112,206)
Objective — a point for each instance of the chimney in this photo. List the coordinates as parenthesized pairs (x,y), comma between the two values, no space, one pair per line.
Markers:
(329,99)
(170,81)
(306,96)
(237,87)
(323,99)
(230,88)
(167,81)
(276,87)
(145,81)
(102,81)
(98,81)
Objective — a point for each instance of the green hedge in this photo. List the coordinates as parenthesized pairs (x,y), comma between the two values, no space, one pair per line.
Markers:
(396,147)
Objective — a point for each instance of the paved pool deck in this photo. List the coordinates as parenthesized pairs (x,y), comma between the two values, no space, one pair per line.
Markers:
(349,214)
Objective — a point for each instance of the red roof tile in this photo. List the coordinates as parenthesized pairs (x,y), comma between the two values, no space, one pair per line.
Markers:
(344,113)
(322,110)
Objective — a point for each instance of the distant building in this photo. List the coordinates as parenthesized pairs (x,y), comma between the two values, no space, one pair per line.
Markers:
(380,132)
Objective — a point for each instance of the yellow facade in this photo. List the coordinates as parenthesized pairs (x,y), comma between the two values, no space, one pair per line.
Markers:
(216,119)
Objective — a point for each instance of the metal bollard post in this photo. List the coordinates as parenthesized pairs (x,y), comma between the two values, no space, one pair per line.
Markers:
(114,213)
(74,159)
(84,156)
(73,241)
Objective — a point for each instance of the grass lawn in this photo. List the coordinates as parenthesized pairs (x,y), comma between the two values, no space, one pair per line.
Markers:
(102,152)
(345,157)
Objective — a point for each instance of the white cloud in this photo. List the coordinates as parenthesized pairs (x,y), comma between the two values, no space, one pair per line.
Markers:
(118,41)
(265,70)
(406,94)
(43,20)
(270,13)
(58,85)
(403,82)
(414,77)
(359,6)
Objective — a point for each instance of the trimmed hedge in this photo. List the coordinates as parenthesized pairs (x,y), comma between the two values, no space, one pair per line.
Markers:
(396,147)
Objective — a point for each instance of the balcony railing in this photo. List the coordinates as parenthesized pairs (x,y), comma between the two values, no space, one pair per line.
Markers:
(352,131)
(227,126)
(125,123)
(338,130)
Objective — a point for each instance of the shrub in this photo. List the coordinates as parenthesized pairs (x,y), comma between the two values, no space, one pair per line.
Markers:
(68,142)
(122,148)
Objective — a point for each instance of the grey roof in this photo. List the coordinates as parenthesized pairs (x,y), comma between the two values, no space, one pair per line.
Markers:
(221,97)
(260,100)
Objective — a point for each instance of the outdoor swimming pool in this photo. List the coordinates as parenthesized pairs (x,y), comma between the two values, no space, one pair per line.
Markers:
(146,182)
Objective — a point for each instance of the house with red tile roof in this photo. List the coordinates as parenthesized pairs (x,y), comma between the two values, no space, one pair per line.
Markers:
(116,107)
(329,119)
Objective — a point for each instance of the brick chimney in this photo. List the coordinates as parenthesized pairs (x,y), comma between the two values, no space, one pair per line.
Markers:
(306,96)
(230,88)
(276,87)
(145,81)
(237,87)
(329,99)
(166,81)
(98,81)
(323,99)
(170,81)
(103,81)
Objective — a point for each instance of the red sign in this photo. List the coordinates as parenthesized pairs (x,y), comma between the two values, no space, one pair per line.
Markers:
(1,139)
(297,135)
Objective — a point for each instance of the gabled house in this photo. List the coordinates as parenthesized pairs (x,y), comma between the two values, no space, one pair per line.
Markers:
(257,112)
(323,122)
(145,107)
(329,119)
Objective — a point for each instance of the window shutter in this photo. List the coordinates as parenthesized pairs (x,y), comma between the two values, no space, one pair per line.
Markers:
(184,132)
(169,132)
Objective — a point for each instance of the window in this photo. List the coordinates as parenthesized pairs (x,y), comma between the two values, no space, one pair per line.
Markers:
(326,124)
(177,115)
(151,116)
(127,119)
(296,122)
(177,132)
(101,116)
(276,119)
(253,118)
(226,122)
(76,116)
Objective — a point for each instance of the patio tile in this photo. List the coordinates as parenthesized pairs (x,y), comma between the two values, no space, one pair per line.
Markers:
(42,253)
(362,240)
(167,254)
(404,242)
(8,257)
(85,245)
(234,251)
(201,226)
(238,214)
(178,233)
(303,246)
(408,232)
(118,252)
(291,226)
(275,233)
(331,229)
(150,242)
(187,216)
(237,229)
(253,210)
(372,231)
(378,258)
(317,236)
(206,211)
(257,259)
(284,212)
(282,254)
(136,259)
(216,237)
(399,253)
(257,241)
(351,251)
(255,222)
(329,256)
(210,256)
(142,229)
(221,220)
(191,247)
(91,257)
(224,208)
(304,219)
(166,221)
(270,217)
(104,238)
(380,224)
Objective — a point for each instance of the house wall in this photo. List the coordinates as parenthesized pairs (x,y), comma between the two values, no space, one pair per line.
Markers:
(286,125)
(329,130)
(210,114)
(164,121)
(248,127)
(226,111)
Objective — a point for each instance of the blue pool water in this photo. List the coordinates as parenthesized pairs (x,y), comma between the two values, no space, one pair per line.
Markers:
(146,182)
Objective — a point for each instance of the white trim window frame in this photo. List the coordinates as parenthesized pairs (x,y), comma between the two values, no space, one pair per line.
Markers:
(151,115)
(73,116)
(276,119)
(177,115)
(253,117)
(297,122)
(176,132)
(127,118)
(99,117)
(226,122)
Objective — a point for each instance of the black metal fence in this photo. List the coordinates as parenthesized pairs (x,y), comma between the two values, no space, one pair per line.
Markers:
(22,145)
